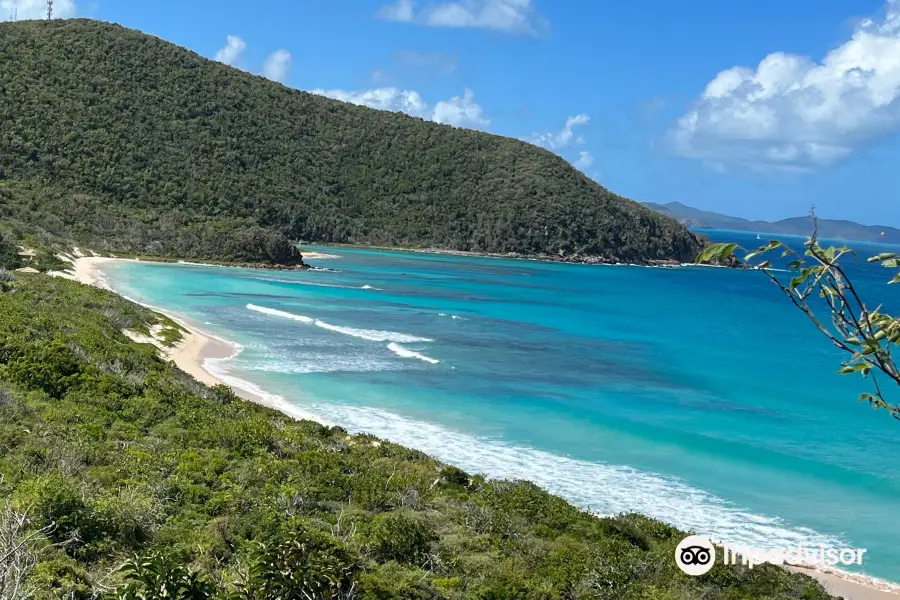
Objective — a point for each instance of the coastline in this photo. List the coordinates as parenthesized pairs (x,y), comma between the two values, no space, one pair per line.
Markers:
(199,353)
(190,353)
(540,258)
(849,585)
(546,258)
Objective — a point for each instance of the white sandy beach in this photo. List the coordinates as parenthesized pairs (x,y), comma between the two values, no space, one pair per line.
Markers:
(848,586)
(307,255)
(194,348)
(197,349)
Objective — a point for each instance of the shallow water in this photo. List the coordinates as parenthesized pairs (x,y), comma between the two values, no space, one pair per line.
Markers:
(695,395)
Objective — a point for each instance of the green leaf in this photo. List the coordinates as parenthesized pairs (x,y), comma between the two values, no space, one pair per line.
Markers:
(883,256)
(716,252)
(891,263)
(794,265)
(727,250)
(896,279)
(796,281)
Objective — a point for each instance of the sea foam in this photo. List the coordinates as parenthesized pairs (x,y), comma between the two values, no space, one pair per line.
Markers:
(407,353)
(373,335)
(219,369)
(280,313)
(604,489)
(299,282)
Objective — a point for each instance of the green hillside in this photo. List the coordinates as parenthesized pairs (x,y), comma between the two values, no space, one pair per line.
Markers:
(108,452)
(126,142)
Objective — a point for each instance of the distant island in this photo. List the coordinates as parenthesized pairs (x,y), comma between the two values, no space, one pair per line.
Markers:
(124,142)
(828,228)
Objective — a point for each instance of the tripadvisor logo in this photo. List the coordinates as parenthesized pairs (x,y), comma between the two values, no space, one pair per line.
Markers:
(696,555)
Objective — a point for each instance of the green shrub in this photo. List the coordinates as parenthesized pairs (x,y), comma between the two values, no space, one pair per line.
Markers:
(303,564)
(160,574)
(59,507)
(396,582)
(59,576)
(50,366)
(401,536)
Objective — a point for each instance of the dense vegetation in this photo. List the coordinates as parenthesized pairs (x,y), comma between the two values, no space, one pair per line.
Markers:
(125,142)
(108,452)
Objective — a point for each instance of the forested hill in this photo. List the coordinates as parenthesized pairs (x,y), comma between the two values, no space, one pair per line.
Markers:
(126,142)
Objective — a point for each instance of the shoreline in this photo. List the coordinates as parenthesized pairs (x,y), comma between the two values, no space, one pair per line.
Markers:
(540,258)
(199,352)
(545,258)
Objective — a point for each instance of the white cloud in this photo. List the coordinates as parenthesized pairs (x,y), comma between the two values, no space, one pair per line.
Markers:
(36,9)
(278,66)
(459,111)
(585,160)
(560,140)
(401,10)
(508,16)
(388,98)
(791,113)
(231,53)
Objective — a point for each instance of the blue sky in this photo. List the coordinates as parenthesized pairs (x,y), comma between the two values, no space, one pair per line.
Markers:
(757,108)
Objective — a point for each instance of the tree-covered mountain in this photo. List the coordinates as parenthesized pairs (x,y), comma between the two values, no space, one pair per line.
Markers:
(123,141)
(828,228)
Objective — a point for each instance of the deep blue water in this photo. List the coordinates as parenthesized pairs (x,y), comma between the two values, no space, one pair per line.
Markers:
(699,396)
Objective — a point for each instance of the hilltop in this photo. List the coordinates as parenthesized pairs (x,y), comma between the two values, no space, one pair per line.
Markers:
(123,141)
(828,228)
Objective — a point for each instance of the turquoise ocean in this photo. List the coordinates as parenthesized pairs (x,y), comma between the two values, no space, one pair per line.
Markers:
(699,396)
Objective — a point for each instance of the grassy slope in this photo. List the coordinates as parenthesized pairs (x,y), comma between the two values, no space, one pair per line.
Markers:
(124,453)
(126,142)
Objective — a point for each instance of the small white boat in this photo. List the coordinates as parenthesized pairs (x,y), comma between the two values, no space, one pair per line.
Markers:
(759,237)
